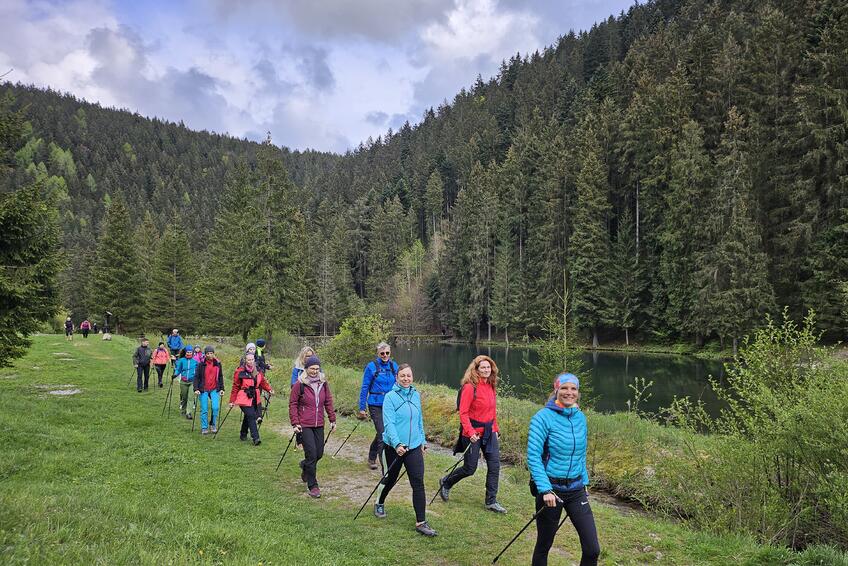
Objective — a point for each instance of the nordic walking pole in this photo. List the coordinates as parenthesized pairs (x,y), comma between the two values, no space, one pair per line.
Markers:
(346,438)
(194,416)
(376,486)
(450,469)
(285,451)
(167,399)
(328,435)
(264,411)
(129,381)
(533,518)
(220,426)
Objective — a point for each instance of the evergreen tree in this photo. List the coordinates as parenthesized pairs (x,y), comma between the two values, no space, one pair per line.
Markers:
(390,235)
(117,280)
(626,277)
(434,198)
(173,277)
(147,243)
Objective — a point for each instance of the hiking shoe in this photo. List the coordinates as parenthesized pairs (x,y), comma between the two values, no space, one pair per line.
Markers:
(496,507)
(160,384)
(380,510)
(214,429)
(426,529)
(243,438)
(204,431)
(372,464)
(314,492)
(302,471)
(258,420)
(188,415)
(139,390)
(257,442)
(444,491)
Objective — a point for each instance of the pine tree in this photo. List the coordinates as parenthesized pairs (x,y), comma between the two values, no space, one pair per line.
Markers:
(173,276)
(118,284)
(590,244)
(434,196)
(390,235)
(627,277)
(147,243)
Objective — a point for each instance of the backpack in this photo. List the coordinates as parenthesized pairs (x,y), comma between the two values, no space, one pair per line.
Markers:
(459,396)
(460,443)
(378,370)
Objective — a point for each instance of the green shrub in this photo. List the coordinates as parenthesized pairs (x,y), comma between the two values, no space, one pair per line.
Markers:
(354,345)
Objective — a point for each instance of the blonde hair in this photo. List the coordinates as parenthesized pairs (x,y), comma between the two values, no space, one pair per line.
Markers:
(472,376)
(301,356)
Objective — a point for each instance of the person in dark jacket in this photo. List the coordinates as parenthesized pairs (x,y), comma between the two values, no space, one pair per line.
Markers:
(377,380)
(556,457)
(141,363)
(261,357)
(248,381)
(309,399)
(404,444)
(478,419)
(69,329)
(209,387)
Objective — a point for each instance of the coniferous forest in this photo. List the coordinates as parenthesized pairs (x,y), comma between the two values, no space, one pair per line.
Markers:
(678,172)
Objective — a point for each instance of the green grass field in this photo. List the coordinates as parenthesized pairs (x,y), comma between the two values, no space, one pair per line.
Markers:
(99,477)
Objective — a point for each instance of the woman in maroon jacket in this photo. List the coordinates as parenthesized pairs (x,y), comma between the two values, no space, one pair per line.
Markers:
(478,417)
(310,397)
(247,381)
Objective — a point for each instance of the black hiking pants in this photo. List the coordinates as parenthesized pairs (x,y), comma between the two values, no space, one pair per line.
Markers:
(160,369)
(313,450)
(85,332)
(413,461)
(469,466)
(576,505)
(376,448)
(248,422)
(139,371)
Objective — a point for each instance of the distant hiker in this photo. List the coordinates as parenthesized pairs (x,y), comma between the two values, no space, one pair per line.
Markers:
(209,387)
(261,357)
(301,358)
(404,445)
(185,370)
(377,380)
(85,327)
(94,327)
(198,354)
(556,456)
(251,349)
(478,425)
(69,329)
(309,399)
(160,360)
(175,344)
(141,363)
(247,383)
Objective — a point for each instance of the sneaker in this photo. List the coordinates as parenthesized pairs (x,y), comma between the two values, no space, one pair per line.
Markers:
(380,510)
(242,438)
(204,431)
(302,471)
(372,464)
(188,416)
(139,390)
(496,507)
(257,442)
(444,491)
(214,429)
(426,530)
(315,492)
(160,385)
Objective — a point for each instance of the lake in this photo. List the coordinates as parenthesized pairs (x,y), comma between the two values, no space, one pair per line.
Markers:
(611,372)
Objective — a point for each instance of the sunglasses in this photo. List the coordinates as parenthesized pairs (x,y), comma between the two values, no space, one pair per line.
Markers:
(385,353)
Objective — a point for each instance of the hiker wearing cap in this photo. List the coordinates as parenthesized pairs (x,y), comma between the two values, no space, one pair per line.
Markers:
(261,358)
(556,456)
(175,344)
(404,445)
(310,397)
(184,371)
(160,360)
(377,380)
(247,383)
(478,420)
(198,354)
(209,388)
(141,363)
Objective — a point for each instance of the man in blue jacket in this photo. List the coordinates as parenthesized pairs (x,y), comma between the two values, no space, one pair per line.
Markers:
(175,344)
(377,380)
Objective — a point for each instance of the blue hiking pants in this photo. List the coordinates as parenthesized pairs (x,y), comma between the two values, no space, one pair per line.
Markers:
(207,398)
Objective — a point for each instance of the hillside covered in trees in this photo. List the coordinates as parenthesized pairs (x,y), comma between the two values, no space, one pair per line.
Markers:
(677,171)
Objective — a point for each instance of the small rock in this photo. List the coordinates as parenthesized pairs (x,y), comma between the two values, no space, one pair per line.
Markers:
(658,555)
(65,391)
(648,548)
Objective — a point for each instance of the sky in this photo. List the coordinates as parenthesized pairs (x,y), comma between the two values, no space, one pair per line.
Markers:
(323,74)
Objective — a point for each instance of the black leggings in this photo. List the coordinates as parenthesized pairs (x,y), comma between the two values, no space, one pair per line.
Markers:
(576,505)
(376,448)
(249,422)
(313,450)
(160,369)
(469,466)
(413,461)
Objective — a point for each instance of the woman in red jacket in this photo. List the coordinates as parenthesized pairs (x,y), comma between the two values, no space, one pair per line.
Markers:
(247,381)
(478,419)
(310,397)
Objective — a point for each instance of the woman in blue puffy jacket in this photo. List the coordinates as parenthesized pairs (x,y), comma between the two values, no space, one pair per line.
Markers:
(556,456)
(404,444)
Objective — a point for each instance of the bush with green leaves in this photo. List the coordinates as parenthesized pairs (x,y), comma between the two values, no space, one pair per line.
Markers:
(354,345)
(558,352)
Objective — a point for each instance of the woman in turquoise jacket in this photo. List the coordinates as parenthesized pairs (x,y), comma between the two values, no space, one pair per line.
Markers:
(556,456)
(404,442)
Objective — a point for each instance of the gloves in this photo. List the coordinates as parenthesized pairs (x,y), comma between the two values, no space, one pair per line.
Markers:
(332,426)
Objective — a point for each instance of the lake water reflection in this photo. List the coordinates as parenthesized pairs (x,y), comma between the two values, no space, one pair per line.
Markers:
(612,372)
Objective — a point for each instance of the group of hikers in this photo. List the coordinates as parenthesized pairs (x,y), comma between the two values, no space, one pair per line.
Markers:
(86,326)
(556,447)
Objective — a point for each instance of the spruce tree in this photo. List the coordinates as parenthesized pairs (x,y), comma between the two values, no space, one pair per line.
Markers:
(173,277)
(434,196)
(626,277)
(118,284)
